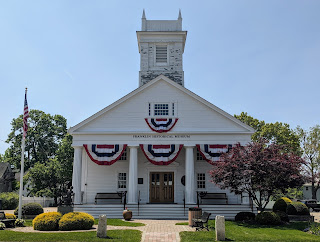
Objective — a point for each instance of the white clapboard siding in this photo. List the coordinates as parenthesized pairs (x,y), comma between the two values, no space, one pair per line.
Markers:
(99,178)
(193,115)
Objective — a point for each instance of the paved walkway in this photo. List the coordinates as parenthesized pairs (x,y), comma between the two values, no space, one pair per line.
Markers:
(155,230)
(158,230)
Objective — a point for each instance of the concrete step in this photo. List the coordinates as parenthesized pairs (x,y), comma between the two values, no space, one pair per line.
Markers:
(160,211)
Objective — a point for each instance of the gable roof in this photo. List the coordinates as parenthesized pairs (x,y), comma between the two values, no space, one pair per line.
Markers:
(73,129)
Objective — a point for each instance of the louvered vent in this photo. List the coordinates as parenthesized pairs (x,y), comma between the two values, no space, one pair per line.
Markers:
(161,54)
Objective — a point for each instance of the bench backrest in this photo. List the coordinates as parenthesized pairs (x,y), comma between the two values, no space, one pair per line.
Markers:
(205,217)
(215,196)
(108,196)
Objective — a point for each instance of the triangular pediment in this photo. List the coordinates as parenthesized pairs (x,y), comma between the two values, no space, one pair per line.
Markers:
(127,115)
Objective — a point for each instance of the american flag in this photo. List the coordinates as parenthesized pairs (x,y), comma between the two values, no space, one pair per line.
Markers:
(25,115)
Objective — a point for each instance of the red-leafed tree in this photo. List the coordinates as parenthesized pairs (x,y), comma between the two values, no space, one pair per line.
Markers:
(258,169)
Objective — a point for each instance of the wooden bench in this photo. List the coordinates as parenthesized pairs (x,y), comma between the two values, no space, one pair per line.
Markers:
(200,222)
(9,223)
(211,198)
(112,196)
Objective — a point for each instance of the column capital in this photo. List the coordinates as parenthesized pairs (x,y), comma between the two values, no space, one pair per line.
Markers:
(133,146)
(189,146)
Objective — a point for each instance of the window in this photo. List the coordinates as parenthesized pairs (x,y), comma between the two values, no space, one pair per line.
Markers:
(161,109)
(199,156)
(124,155)
(165,109)
(122,180)
(161,54)
(201,180)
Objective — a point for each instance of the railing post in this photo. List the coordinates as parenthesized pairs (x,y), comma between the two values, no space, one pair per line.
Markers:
(125,200)
(139,203)
(198,202)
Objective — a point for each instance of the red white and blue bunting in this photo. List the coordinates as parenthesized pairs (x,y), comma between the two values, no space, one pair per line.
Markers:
(212,153)
(161,125)
(161,154)
(102,154)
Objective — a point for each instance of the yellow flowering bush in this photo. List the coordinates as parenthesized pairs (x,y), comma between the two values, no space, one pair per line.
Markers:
(76,221)
(47,221)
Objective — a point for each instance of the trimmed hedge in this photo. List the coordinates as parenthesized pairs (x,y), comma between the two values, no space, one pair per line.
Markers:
(47,221)
(30,209)
(268,218)
(297,208)
(281,204)
(10,216)
(283,216)
(76,221)
(10,200)
(245,216)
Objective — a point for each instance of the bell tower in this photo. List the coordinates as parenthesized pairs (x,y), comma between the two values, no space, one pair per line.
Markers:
(161,46)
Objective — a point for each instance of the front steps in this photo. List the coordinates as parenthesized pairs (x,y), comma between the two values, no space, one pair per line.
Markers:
(160,211)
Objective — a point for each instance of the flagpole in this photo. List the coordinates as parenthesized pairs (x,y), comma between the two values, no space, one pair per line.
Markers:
(22,160)
(21,177)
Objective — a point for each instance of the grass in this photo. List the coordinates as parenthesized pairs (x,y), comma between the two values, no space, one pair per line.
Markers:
(120,222)
(110,221)
(245,232)
(183,223)
(113,235)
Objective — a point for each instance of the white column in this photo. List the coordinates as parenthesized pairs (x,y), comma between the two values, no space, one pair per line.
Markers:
(133,176)
(190,193)
(76,175)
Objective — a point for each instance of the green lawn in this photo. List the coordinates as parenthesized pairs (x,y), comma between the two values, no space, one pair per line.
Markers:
(120,222)
(113,235)
(110,221)
(244,232)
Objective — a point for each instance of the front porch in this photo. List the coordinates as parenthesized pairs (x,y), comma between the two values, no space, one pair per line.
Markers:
(161,211)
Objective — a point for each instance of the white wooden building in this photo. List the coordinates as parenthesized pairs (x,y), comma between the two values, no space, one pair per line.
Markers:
(159,142)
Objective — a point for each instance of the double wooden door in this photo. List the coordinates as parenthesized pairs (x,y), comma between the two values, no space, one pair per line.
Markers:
(161,187)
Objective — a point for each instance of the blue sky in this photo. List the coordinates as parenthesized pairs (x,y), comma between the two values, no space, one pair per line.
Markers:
(77,57)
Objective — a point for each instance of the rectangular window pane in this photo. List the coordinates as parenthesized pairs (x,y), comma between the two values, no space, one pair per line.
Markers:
(201,180)
(161,109)
(124,155)
(122,180)
(199,156)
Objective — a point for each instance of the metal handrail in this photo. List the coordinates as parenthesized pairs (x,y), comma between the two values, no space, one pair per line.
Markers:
(184,204)
(139,203)
(124,194)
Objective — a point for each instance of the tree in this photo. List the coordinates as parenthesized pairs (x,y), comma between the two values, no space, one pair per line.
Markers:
(258,169)
(310,144)
(43,137)
(279,133)
(55,176)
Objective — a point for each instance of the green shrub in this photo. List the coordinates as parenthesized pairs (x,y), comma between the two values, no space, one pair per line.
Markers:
(268,218)
(2,226)
(76,221)
(244,216)
(281,204)
(10,216)
(30,209)
(10,200)
(297,208)
(47,221)
(20,222)
(283,216)
(315,228)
